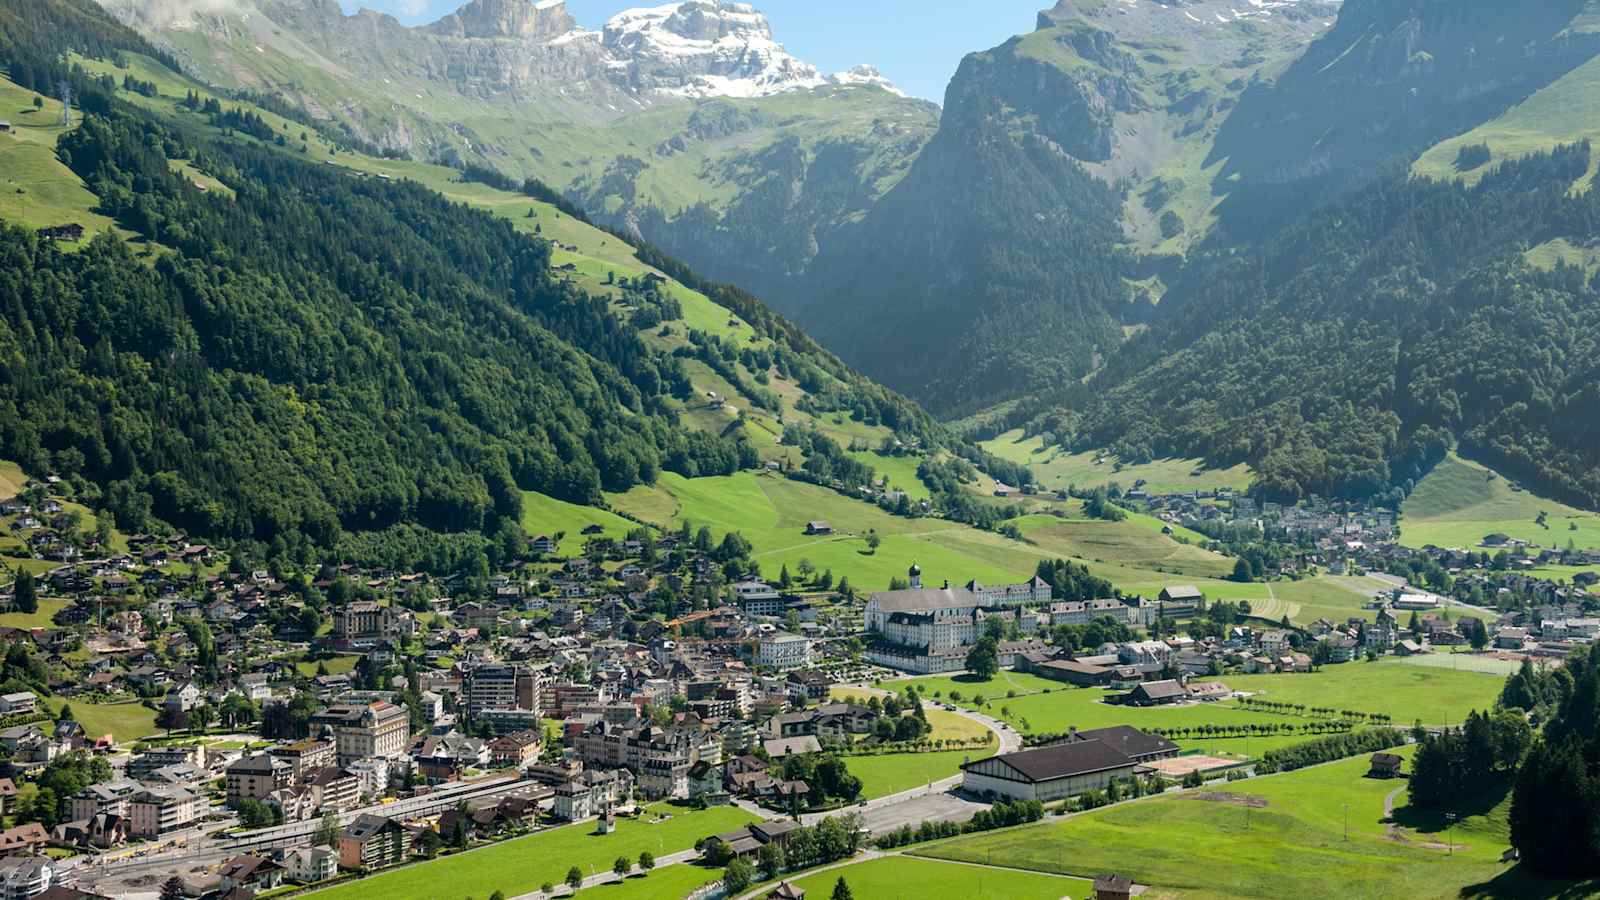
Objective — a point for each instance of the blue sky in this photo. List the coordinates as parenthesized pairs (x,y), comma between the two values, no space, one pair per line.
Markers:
(917,43)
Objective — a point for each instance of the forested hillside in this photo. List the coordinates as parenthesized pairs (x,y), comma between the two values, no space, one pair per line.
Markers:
(1346,354)
(303,359)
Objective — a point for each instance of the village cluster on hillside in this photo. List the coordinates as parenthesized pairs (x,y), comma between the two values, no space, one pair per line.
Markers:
(302,724)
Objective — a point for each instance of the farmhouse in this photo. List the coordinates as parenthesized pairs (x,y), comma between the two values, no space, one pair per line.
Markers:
(1072,671)
(1050,773)
(1385,765)
(1156,693)
(819,528)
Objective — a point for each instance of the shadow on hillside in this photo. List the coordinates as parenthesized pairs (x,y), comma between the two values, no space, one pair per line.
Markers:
(1432,821)
(1519,883)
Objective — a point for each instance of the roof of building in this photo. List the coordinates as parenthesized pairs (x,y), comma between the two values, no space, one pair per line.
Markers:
(1063,760)
(1160,690)
(1129,740)
(915,599)
(366,825)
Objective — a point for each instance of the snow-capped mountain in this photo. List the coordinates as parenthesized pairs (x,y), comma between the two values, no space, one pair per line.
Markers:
(704,48)
(691,49)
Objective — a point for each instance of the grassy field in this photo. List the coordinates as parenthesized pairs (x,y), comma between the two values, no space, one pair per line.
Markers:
(123,721)
(1563,112)
(1335,598)
(898,877)
(895,772)
(336,665)
(1055,468)
(1042,706)
(36,189)
(1257,840)
(1133,542)
(1460,501)
(771,512)
(1463,662)
(522,865)
(1407,692)
(40,618)
(547,515)
(670,881)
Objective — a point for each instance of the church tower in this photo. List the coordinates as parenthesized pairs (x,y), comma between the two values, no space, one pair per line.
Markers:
(916,577)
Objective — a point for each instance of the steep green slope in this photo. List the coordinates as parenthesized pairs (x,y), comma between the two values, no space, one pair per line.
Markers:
(1388,81)
(998,266)
(1416,323)
(743,189)
(313,357)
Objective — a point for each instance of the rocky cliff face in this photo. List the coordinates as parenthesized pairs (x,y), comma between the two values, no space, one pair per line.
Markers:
(515,19)
(1391,78)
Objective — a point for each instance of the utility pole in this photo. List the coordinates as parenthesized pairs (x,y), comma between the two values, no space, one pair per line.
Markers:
(66,103)
(1347,821)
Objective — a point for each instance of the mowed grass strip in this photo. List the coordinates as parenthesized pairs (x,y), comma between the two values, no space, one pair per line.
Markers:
(907,877)
(1255,839)
(521,865)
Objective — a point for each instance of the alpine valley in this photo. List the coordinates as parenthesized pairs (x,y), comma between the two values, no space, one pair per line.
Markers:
(488,455)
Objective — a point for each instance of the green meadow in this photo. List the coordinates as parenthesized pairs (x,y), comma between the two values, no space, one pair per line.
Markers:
(771,512)
(1265,838)
(1562,112)
(124,721)
(36,189)
(1460,502)
(904,877)
(521,865)
(895,772)
(549,516)
(1055,468)
(1406,692)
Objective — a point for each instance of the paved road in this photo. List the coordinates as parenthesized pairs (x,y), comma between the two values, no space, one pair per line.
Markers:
(935,802)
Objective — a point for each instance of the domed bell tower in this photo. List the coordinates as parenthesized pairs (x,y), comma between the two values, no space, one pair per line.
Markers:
(916,577)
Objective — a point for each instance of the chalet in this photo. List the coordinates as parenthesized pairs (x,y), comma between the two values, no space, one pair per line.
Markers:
(1113,887)
(71,231)
(5,127)
(1385,765)
(819,528)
